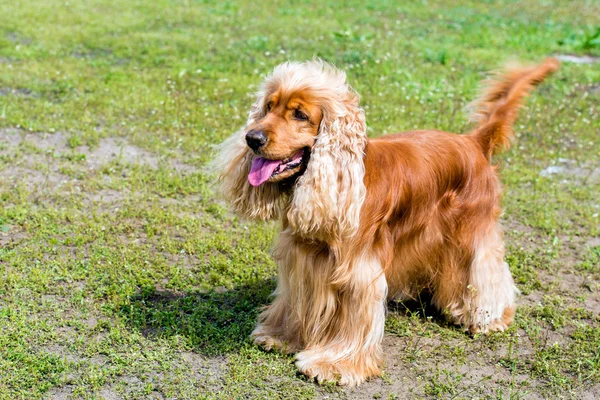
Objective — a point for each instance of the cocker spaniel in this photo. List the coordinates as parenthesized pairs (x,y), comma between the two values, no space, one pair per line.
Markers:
(367,220)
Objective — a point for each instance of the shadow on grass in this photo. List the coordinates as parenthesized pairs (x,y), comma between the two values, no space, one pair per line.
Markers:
(220,322)
(214,323)
(421,308)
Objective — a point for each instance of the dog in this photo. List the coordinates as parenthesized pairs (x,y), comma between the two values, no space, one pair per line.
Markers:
(366,220)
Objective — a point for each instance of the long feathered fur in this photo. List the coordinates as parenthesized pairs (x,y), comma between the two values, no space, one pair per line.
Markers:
(328,196)
(233,162)
(369,220)
(497,107)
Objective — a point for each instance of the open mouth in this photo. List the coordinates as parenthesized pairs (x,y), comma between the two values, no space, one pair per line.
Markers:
(263,169)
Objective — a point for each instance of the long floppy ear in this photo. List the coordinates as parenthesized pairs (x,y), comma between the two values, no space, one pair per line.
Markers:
(328,197)
(233,163)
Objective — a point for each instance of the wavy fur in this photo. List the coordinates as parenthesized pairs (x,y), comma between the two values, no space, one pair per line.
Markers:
(233,162)
(327,198)
(496,109)
(371,220)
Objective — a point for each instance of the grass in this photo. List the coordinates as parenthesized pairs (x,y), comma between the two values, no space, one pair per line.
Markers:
(123,275)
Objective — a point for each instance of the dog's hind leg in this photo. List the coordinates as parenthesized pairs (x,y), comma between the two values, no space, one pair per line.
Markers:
(491,290)
(478,293)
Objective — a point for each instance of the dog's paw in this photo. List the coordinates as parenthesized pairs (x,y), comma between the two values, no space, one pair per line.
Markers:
(322,373)
(495,326)
(315,366)
(498,325)
(267,341)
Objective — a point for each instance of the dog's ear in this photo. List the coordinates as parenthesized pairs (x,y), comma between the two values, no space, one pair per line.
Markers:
(328,197)
(233,163)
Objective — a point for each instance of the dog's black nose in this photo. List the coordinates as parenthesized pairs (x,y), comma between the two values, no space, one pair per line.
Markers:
(255,139)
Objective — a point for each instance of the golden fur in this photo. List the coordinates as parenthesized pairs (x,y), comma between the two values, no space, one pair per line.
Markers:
(367,220)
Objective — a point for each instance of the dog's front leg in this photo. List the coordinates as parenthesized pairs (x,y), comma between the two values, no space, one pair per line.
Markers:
(347,345)
(279,324)
(277,328)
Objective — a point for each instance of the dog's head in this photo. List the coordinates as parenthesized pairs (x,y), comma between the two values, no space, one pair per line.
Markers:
(283,135)
(301,152)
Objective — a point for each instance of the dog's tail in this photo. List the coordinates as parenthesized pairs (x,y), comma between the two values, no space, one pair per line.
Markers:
(496,108)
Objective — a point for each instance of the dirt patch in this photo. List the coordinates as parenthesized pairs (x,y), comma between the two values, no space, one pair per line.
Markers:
(37,170)
(12,236)
(572,170)
(209,371)
(18,92)
(108,149)
(512,225)
(9,139)
(64,353)
(45,159)
(569,284)
(47,141)
(475,376)
(593,242)
(107,196)
(109,394)
(399,376)
(34,179)
(111,149)
(578,59)
(135,387)
(60,393)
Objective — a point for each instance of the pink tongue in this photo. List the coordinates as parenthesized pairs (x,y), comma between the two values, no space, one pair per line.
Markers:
(261,170)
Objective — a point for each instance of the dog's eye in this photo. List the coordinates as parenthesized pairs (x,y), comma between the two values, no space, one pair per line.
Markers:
(300,116)
(268,107)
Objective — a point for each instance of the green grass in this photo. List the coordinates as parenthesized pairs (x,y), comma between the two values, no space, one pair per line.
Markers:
(123,275)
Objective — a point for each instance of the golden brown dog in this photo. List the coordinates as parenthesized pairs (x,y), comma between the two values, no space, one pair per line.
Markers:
(367,220)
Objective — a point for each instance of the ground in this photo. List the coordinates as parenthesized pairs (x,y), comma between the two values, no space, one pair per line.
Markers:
(124,276)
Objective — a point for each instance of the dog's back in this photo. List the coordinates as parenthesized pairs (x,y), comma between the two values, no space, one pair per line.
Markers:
(433,203)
